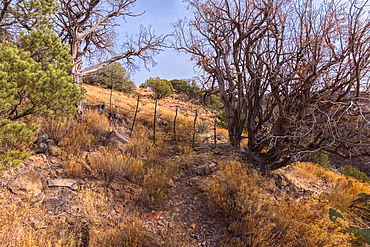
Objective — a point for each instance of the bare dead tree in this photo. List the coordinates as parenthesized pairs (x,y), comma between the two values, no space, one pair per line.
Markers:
(291,70)
(89,27)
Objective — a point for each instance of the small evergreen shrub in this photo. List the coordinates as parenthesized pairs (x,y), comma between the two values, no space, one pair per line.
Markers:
(186,86)
(14,137)
(354,172)
(320,158)
(143,85)
(202,127)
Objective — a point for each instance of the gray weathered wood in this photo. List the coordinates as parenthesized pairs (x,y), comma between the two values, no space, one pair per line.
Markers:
(195,121)
(133,122)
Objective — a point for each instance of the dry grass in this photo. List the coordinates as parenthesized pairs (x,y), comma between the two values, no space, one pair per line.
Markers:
(56,128)
(107,163)
(158,171)
(75,137)
(260,215)
(143,163)
(130,233)
(26,225)
(83,136)
(331,188)
(165,111)
(261,219)
(78,139)
(23,224)
(187,154)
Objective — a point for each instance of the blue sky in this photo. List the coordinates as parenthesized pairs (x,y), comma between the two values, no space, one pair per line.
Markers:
(159,14)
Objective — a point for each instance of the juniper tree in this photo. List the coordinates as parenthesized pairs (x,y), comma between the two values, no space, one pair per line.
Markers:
(112,74)
(161,87)
(37,80)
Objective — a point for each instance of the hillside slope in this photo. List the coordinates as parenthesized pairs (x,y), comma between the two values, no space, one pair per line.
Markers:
(101,188)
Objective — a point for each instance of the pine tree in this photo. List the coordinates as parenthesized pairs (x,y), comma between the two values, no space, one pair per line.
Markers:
(34,74)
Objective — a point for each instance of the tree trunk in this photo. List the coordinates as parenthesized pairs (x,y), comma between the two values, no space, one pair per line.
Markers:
(235,117)
(234,128)
(234,135)
(214,129)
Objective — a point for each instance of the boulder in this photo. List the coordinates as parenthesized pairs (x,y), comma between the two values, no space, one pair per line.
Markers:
(42,138)
(53,149)
(27,182)
(117,140)
(115,144)
(120,136)
(41,148)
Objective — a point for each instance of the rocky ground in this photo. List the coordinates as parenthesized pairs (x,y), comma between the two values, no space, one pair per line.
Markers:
(185,215)
(187,203)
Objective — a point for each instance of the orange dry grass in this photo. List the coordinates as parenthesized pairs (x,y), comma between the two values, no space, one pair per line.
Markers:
(337,190)
(83,136)
(223,132)
(56,128)
(165,109)
(26,225)
(245,198)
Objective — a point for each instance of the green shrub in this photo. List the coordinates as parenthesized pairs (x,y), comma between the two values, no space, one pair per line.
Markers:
(113,73)
(354,172)
(202,127)
(161,87)
(318,158)
(14,137)
(187,86)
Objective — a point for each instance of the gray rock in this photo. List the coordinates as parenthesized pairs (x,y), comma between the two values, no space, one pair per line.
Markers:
(41,148)
(53,149)
(26,182)
(42,138)
(115,144)
(70,183)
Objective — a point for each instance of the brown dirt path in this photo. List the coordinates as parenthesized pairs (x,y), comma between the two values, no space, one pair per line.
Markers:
(187,206)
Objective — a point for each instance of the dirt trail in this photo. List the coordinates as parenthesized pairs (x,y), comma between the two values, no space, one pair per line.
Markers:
(187,206)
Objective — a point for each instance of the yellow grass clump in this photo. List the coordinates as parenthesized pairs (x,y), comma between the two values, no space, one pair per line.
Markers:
(261,219)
